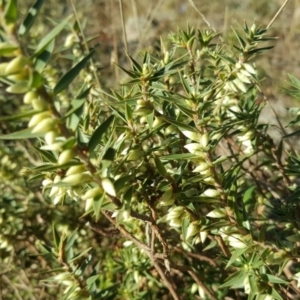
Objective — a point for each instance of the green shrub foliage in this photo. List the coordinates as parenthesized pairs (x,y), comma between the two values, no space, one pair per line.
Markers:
(166,188)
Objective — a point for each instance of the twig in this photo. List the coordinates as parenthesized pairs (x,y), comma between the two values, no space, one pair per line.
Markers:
(85,43)
(277,14)
(197,280)
(197,256)
(202,16)
(123,26)
(166,280)
(127,233)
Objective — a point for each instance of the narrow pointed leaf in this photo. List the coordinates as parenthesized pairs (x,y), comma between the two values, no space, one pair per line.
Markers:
(22,134)
(30,18)
(51,35)
(67,78)
(96,137)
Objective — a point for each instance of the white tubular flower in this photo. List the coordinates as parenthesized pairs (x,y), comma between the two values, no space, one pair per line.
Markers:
(202,168)
(176,222)
(192,230)
(217,213)
(203,236)
(108,187)
(194,148)
(39,117)
(50,137)
(57,146)
(60,194)
(92,193)
(297,278)
(89,204)
(211,193)
(195,136)
(44,126)
(236,241)
(167,198)
(65,156)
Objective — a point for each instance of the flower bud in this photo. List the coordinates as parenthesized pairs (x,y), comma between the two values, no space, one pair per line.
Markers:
(195,136)
(211,193)
(217,213)
(135,155)
(192,230)
(77,179)
(39,117)
(202,167)
(92,193)
(29,97)
(75,170)
(89,204)
(39,104)
(53,147)
(158,121)
(203,236)
(204,140)
(176,222)
(17,65)
(50,137)
(171,129)
(2,69)
(65,156)
(108,187)
(18,88)
(194,148)
(167,198)
(45,125)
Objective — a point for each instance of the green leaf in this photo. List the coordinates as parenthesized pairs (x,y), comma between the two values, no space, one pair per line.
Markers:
(160,167)
(22,134)
(70,240)
(43,57)
(56,237)
(235,279)
(11,11)
(178,156)
(30,18)
(96,137)
(67,78)
(128,112)
(236,254)
(275,279)
(109,154)
(97,205)
(47,155)
(51,35)
(82,253)
(275,294)
(240,39)
(16,117)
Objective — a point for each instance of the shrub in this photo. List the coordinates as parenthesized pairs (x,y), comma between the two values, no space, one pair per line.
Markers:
(165,188)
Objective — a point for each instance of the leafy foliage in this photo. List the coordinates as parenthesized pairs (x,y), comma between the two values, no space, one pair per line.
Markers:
(168,186)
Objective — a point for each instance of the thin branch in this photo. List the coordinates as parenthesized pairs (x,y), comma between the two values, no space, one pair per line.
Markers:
(197,280)
(127,233)
(123,25)
(202,16)
(166,280)
(278,13)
